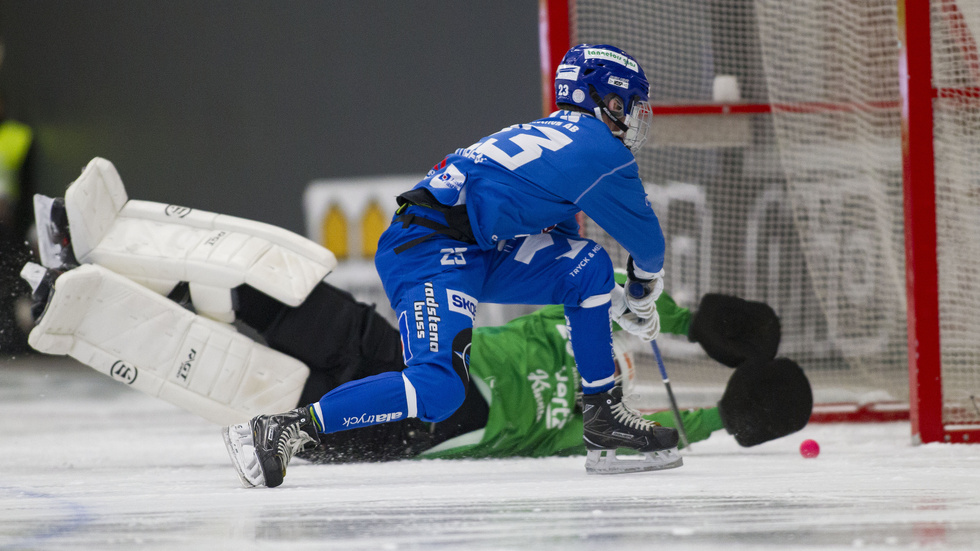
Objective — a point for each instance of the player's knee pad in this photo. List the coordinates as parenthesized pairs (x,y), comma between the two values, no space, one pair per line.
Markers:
(440,390)
(150,343)
(438,404)
(160,245)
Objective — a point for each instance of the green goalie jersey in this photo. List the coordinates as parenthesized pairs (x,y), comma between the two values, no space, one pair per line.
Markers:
(533,409)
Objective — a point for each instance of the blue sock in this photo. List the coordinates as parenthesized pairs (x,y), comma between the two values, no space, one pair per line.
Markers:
(369,401)
(591,336)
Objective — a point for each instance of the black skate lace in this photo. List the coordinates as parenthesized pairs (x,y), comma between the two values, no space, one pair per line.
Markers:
(631,419)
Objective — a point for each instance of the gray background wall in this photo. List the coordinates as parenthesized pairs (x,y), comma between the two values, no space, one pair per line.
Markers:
(234,106)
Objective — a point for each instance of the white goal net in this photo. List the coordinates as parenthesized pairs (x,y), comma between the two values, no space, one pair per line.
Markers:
(776,170)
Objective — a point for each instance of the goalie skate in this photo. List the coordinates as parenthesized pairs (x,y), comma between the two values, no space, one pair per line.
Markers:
(609,424)
(53,237)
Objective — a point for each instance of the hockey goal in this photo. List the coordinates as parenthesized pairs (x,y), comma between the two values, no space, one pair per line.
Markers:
(822,156)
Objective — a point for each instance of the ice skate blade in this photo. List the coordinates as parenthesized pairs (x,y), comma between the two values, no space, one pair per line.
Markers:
(607,462)
(241,449)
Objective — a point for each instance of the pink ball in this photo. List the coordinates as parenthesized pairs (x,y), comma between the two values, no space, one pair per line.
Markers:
(809,449)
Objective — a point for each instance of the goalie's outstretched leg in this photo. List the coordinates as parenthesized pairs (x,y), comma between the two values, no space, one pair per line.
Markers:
(609,425)
(152,344)
(159,245)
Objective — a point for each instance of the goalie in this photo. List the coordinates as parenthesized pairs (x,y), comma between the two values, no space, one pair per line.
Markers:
(524,371)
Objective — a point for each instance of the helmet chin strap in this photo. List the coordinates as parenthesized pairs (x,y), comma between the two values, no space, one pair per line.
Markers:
(603,108)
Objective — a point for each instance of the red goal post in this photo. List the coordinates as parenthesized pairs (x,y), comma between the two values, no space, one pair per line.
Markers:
(822,156)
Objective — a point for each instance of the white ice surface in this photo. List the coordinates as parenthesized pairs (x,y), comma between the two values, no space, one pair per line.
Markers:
(86,463)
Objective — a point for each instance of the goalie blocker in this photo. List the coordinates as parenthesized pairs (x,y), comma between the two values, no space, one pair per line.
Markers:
(766,397)
(765,400)
(732,330)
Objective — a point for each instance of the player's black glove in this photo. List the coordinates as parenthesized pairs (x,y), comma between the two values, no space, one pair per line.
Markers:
(732,330)
(765,400)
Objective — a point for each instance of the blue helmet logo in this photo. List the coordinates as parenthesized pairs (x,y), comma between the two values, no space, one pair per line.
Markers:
(588,78)
(607,70)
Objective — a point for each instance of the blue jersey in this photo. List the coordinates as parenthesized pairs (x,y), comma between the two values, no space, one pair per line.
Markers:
(537,176)
(515,185)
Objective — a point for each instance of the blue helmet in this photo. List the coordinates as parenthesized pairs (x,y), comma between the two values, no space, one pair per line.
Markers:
(588,78)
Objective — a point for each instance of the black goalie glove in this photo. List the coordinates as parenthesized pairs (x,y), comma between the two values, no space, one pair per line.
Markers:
(765,400)
(732,330)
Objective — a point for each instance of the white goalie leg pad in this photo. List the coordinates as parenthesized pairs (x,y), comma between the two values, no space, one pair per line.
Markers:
(159,245)
(150,343)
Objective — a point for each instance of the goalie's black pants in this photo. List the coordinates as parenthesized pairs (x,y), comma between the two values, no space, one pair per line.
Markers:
(340,340)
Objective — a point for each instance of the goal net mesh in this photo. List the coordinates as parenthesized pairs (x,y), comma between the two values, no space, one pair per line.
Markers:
(798,202)
(955,28)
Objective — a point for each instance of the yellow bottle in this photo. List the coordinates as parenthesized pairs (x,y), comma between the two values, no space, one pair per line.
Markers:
(373,224)
(334,231)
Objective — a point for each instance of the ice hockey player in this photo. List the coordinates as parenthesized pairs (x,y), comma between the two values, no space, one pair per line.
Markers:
(100,315)
(495,222)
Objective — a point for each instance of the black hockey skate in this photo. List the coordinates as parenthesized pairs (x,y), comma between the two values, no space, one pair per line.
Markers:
(610,424)
(53,235)
(261,448)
